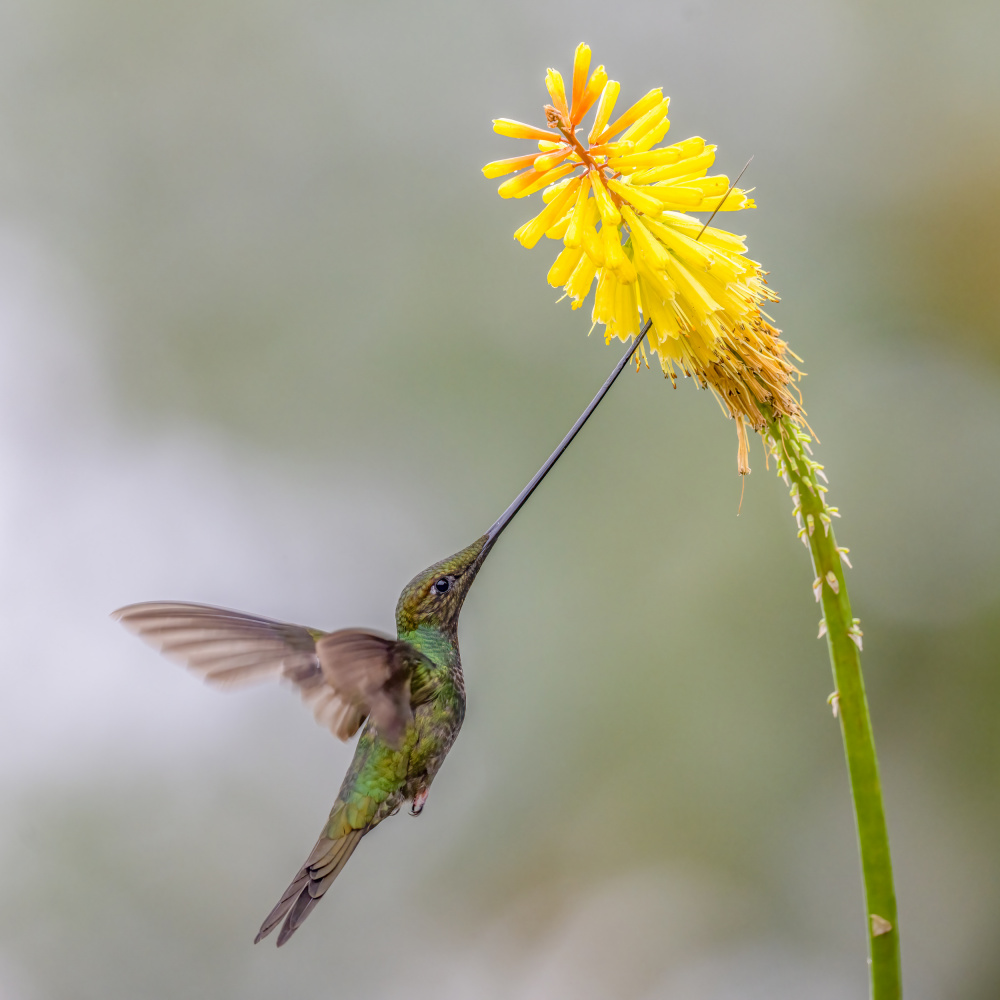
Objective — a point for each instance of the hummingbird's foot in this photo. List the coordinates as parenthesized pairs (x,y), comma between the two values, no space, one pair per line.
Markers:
(417,807)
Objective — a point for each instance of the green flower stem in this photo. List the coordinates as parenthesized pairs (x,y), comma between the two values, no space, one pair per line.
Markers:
(790,447)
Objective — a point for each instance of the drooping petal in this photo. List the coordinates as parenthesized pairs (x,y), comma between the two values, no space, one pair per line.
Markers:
(574,234)
(590,239)
(604,297)
(531,232)
(563,266)
(610,215)
(578,286)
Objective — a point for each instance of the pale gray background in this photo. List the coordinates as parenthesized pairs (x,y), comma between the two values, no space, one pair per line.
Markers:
(267,342)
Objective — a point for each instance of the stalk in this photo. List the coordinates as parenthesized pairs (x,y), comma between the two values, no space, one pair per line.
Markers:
(790,446)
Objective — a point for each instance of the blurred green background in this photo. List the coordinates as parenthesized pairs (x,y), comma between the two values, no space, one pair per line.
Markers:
(267,342)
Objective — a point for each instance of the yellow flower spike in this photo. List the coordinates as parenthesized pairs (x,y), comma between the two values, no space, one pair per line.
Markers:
(563,266)
(702,294)
(610,215)
(500,167)
(531,232)
(574,234)
(581,66)
(633,114)
(518,130)
(604,108)
(557,91)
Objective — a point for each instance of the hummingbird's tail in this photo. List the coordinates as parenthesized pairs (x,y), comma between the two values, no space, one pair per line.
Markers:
(322,866)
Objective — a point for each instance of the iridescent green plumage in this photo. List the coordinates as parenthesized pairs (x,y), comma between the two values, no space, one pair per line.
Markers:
(381,777)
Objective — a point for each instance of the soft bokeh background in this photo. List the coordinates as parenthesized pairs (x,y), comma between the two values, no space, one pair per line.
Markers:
(267,342)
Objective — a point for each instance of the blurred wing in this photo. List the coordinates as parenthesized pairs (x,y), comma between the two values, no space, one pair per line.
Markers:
(230,649)
(384,677)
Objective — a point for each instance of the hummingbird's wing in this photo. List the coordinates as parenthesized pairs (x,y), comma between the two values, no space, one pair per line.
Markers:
(384,677)
(343,676)
(230,649)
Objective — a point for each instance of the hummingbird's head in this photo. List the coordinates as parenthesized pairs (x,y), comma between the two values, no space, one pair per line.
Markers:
(435,596)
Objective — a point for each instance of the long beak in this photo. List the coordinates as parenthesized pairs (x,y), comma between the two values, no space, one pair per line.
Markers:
(508,515)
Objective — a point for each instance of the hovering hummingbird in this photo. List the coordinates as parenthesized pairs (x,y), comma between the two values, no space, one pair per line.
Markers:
(410,688)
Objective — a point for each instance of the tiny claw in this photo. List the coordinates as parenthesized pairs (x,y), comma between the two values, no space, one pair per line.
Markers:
(417,806)
(834,702)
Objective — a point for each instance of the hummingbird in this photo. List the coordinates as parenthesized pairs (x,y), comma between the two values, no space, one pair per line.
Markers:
(408,692)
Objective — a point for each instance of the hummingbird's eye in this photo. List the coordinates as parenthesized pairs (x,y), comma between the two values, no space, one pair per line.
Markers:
(443,585)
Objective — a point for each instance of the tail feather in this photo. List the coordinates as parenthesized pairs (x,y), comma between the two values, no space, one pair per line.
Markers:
(323,865)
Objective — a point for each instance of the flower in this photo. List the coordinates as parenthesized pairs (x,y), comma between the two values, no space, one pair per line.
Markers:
(621,205)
